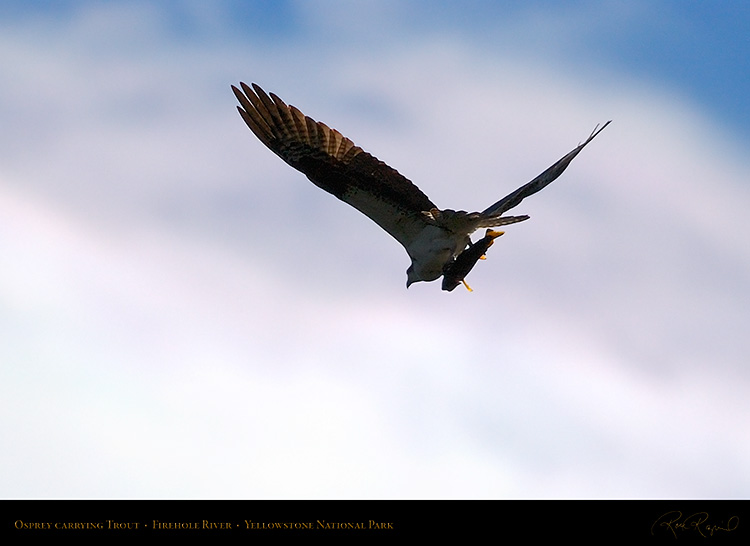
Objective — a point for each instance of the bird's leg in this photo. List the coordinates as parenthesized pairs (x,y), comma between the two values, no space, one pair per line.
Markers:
(466,285)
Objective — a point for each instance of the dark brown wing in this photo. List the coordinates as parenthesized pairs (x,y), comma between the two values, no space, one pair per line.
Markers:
(334,163)
(548,176)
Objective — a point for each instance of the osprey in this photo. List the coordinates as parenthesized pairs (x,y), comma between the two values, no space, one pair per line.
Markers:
(437,241)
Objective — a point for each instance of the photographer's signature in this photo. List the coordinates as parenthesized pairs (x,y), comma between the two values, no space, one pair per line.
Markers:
(675,523)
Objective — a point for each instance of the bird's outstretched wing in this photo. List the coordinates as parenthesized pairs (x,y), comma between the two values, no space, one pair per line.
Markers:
(334,163)
(548,176)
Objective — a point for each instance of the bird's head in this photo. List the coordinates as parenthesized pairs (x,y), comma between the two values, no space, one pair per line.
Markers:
(411,276)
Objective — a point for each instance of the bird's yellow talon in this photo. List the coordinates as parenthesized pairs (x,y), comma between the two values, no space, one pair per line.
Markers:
(467,286)
(483,257)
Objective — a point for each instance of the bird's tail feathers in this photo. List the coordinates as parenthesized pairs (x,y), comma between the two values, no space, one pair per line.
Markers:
(499,220)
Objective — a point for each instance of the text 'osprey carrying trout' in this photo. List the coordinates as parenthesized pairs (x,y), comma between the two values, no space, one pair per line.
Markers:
(437,241)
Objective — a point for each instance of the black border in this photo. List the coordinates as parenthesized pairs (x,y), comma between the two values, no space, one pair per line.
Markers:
(599,522)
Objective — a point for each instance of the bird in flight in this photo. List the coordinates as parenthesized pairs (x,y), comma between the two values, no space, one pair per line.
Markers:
(438,241)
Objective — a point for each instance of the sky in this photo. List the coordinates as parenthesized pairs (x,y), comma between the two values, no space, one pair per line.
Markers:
(183,316)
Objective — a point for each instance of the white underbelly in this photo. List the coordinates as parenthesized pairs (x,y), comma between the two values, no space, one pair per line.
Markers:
(432,249)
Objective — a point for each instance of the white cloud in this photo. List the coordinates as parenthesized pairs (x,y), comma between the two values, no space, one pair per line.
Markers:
(162,322)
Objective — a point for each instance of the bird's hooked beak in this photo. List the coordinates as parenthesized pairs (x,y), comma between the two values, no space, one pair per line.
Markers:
(410,276)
